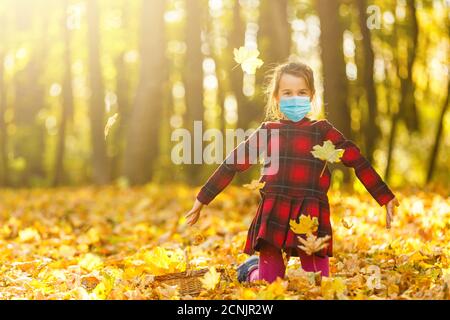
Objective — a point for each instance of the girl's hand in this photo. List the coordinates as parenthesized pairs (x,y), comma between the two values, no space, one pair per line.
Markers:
(390,211)
(193,215)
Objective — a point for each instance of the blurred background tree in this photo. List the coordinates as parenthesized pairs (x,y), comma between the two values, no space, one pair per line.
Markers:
(66,66)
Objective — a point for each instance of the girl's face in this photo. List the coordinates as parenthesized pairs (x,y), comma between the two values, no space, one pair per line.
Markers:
(291,86)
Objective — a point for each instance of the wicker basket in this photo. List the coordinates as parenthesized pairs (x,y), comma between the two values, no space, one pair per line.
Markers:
(189,281)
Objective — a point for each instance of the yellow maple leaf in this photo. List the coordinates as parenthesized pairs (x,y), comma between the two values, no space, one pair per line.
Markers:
(327,152)
(416,256)
(210,279)
(158,257)
(275,290)
(333,286)
(247,294)
(313,244)
(101,291)
(305,226)
(90,262)
(254,185)
(110,276)
(110,123)
(248,59)
(159,261)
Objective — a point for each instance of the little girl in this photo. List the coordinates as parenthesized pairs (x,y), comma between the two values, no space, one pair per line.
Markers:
(299,186)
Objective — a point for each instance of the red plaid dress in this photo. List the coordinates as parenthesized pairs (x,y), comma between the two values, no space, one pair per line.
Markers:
(296,188)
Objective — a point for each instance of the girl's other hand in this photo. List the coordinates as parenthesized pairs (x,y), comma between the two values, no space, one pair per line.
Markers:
(193,215)
(390,210)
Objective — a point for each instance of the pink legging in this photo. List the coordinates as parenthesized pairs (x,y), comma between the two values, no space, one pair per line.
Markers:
(271,264)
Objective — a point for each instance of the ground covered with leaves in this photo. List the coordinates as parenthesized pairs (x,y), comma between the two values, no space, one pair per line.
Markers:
(115,243)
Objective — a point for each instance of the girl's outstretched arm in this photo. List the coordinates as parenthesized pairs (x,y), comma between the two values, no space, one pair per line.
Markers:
(352,157)
(193,215)
(238,160)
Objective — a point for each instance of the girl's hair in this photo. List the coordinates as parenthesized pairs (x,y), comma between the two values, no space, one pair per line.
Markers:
(297,69)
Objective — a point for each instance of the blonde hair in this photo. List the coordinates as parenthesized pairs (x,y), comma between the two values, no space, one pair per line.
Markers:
(297,69)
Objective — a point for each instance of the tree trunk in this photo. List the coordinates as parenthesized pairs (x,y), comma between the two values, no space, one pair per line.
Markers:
(236,39)
(392,136)
(407,106)
(124,110)
(124,105)
(275,36)
(193,80)
(67,103)
(274,44)
(142,144)
(29,100)
(371,129)
(221,66)
(100,165)
(333,65)
(437,140)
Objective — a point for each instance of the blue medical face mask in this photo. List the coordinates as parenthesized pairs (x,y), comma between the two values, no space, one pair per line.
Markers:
(295,108)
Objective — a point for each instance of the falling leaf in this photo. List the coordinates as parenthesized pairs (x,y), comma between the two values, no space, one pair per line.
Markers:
(306,225)
(254,185)
(111,121)
(198,239)
(327,152)
(346,224)
(248,59)
(210,279)
(313,244)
